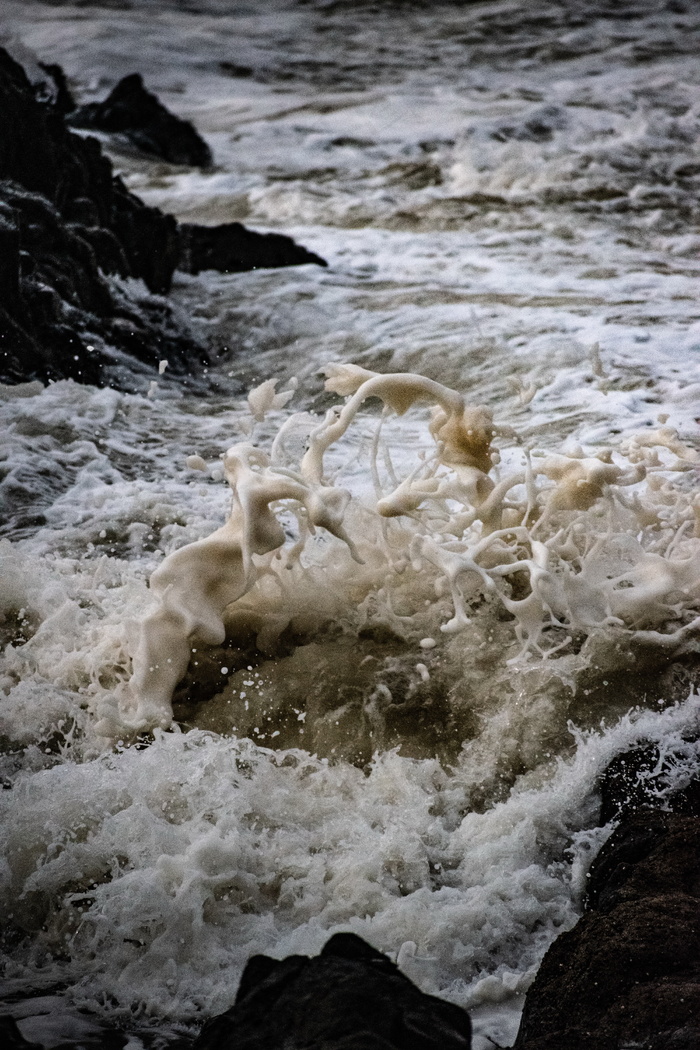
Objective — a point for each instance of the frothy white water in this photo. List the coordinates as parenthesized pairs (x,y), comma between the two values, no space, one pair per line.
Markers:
(512,216)
(150,876)
(153,873)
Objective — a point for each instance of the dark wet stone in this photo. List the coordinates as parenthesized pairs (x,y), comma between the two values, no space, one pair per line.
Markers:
(65,222)
(61,96)
(651,853)
(43,157)
(133,111)
(628,974)
(232,248)
(59,316)
(629,782)
(638,778)
(350,997)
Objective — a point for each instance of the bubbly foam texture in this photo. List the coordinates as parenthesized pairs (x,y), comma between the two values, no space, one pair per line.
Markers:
(543,559)
(377,733)
(171,865)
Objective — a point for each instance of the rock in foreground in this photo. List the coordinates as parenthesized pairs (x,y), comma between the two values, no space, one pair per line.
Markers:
(628,974)
(350,997)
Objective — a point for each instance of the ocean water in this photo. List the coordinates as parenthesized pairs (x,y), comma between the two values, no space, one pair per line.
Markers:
(407,743)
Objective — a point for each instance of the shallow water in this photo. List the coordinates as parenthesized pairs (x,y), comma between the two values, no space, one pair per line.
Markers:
(508,205)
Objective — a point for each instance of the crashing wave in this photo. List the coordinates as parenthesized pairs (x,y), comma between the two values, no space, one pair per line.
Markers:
(563,546)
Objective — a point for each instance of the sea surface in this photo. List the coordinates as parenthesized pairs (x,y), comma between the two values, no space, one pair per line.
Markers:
(406,745)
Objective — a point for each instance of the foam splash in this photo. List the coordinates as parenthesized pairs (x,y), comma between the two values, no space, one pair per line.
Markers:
(197,583)
(565,545)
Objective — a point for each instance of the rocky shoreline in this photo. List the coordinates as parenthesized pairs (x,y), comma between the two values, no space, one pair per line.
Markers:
(85,266)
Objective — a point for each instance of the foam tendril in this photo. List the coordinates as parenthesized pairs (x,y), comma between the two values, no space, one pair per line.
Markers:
(567,543)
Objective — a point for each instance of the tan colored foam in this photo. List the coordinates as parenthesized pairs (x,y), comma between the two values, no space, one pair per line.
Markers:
(565,543)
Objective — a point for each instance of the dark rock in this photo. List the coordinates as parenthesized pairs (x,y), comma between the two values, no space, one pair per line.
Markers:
(639,777)
(233,248)
(141,117)
(61,97)
(59,317)
(65,222)
(42,156)
(350,997)
(629,782)
(628,974)
(650,854)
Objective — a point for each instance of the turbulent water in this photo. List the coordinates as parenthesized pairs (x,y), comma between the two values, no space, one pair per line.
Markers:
(507,196)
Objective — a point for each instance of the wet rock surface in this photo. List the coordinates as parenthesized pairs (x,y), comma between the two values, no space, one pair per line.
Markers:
(350,996)
(68,223)
(628,974)
(60,318)
(639,777)
(137,114)
(232,248)
(43,157)
(65,222)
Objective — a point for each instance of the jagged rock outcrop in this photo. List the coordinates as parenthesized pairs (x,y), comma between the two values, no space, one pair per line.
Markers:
(60,318)
(42,156)
(350,997)
(56,89)
(232,248)
(67,223)
(137,114)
